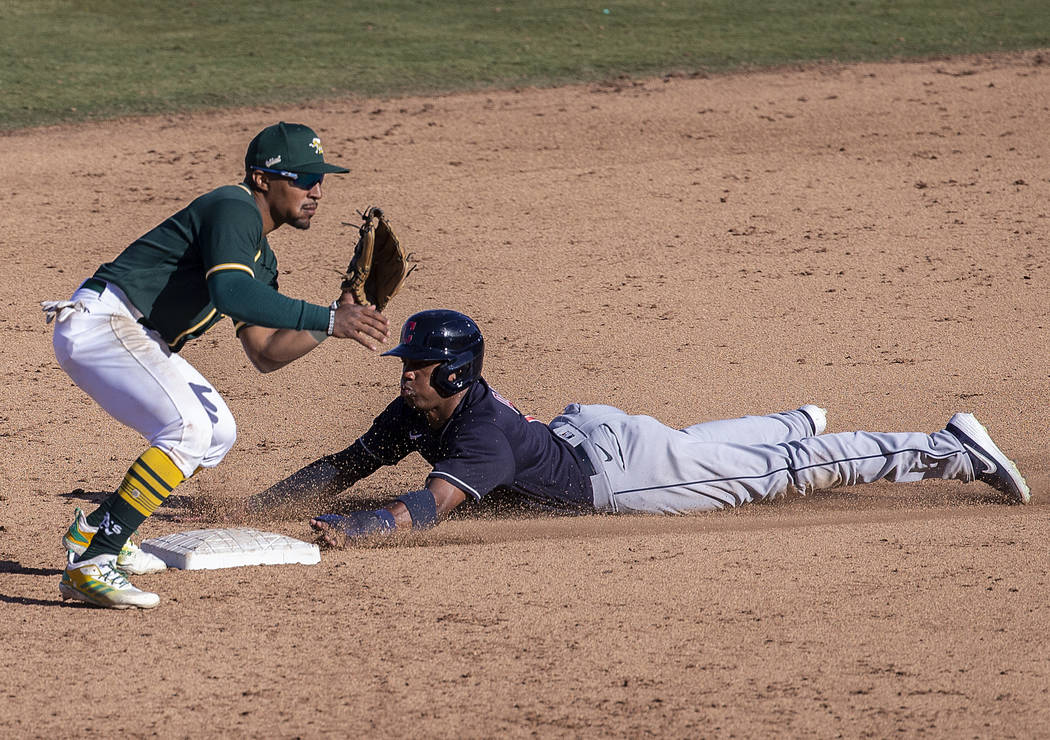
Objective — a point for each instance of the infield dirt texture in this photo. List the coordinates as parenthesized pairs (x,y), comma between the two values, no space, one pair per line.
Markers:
(871,238)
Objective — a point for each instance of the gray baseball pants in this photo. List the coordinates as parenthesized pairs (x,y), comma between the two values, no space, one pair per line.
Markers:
(644,466)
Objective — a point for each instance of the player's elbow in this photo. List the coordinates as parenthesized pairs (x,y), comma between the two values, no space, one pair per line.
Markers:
(263,349)
(262,361)
(264,366)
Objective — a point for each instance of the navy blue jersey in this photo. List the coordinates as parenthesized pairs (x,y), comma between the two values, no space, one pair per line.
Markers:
(487,445)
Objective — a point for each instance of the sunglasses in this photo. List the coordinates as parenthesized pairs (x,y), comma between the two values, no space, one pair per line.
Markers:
(304,180)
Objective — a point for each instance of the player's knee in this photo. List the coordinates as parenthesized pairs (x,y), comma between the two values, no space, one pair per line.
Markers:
(189,451)
(187,442)
(215,438)
(224,434)
(207,434)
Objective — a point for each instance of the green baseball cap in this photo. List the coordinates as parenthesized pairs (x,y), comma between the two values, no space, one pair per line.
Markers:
(288,146)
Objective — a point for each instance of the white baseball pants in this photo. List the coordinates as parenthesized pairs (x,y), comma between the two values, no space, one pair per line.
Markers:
(131,373)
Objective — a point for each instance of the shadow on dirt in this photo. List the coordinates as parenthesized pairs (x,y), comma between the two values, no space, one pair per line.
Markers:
(95,497)
(23,601)
(13,567)
(16,568)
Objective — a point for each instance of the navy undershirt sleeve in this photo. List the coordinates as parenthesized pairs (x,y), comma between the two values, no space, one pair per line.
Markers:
(354,463)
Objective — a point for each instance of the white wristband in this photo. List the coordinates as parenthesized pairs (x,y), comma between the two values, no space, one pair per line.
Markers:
(331,317)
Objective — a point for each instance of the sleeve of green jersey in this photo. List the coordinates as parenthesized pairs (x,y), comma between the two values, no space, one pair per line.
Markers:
(230,235)
(231,231)
(245,299)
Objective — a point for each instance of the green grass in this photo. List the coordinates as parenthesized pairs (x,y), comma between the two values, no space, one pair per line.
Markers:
(77,60)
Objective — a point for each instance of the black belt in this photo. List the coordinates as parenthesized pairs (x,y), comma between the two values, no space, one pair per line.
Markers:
(92,283)
(585,462)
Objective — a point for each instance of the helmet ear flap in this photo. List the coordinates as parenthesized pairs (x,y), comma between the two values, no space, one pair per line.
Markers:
(442,378)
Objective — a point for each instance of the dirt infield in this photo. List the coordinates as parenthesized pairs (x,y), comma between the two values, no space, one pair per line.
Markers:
(871,238)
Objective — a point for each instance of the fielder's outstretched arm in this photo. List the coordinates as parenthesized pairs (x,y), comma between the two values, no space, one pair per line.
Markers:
(271,349)
(248,301)
(415,510)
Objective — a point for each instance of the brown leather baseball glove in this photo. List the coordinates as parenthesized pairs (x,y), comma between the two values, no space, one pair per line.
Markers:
(379,266)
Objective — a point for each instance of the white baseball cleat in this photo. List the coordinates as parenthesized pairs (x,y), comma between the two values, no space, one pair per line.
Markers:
(136,561)
(818,416)
(989,463)
(97,581)
(132,559)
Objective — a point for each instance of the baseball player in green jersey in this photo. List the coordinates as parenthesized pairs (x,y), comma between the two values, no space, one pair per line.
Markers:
(119,335)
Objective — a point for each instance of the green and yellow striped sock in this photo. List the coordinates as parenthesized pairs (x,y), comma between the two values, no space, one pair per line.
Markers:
(149,481)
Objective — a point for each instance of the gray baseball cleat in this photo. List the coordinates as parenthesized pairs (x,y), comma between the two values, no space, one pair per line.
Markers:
(990,465)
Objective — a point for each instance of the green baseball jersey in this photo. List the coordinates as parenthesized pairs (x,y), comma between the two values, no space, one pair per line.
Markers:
(164,273)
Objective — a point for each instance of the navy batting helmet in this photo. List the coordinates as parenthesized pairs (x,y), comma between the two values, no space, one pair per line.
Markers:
(448,337)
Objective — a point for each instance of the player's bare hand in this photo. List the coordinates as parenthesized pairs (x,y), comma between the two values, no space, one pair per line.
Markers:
(363,324)
(328,534)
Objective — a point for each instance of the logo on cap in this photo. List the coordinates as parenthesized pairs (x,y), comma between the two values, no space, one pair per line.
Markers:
(316,146)
(273,160)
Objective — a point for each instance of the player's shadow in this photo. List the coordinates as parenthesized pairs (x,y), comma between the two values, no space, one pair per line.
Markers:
(496,505)
(16,568)
(95,497)
(180,501)
(173,504)
(22,600)
(506,505)
(175,501)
